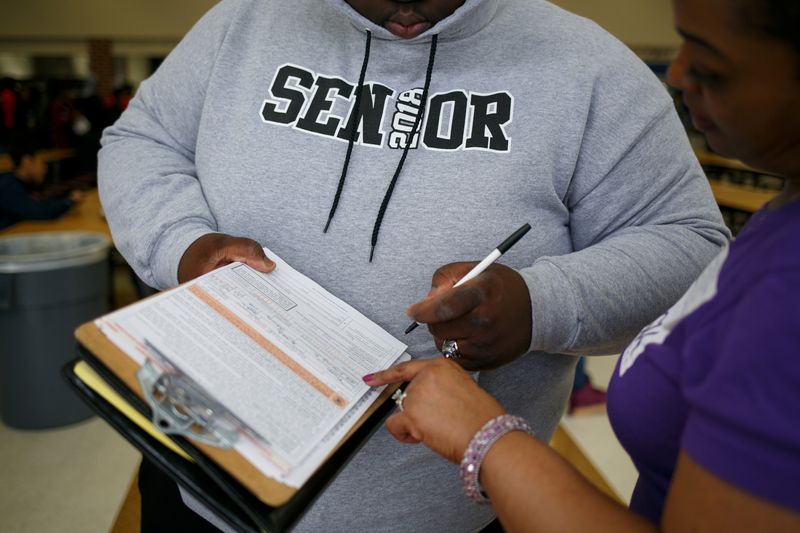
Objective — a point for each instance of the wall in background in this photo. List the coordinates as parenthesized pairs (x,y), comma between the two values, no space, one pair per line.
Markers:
(137,19)
(140,29)
(145,29)
(637,23)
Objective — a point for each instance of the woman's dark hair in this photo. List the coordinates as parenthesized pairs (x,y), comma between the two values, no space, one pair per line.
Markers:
(779,19)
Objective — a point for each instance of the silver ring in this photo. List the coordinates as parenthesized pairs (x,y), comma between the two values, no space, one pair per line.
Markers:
(398,397)
(450,349)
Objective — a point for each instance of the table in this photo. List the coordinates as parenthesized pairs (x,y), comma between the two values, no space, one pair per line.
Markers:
(83,217)
(707,158)
(738,197)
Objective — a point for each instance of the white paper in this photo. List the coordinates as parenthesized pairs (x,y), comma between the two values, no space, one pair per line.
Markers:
(281,353)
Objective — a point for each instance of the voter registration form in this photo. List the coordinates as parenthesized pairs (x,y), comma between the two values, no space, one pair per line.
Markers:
(280,353)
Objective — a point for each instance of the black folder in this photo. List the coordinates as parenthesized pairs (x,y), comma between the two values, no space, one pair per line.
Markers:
(222,480)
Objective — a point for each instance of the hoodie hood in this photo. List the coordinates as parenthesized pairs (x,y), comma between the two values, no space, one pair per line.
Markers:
(468,19)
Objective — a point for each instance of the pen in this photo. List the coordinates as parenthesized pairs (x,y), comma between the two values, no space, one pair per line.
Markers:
(488,260)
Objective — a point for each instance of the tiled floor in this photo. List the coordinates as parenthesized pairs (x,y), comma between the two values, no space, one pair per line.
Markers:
(74,479)
(69,480)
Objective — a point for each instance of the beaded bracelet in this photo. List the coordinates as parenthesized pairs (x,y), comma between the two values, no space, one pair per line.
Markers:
(479,446)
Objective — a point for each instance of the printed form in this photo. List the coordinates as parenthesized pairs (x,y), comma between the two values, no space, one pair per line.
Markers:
(278,351)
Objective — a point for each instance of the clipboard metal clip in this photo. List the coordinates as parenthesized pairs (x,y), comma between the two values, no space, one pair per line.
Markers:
(181,408)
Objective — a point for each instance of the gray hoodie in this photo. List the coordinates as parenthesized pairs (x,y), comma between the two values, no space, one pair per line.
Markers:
(532,115)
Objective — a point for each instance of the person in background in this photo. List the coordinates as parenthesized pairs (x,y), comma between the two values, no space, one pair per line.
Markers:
(370,142)
(62,114)
(88,127)
(29,170)
(27,116)
(706,399)
(116,103)
(8,109)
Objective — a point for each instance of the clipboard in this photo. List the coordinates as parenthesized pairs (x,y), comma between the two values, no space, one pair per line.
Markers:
(220,478)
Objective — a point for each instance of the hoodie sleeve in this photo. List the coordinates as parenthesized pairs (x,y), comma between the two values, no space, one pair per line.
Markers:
(146,174)
(643,222)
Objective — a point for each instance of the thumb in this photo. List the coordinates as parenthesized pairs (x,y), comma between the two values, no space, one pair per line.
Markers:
(448,275)
(249,252)
(262,264)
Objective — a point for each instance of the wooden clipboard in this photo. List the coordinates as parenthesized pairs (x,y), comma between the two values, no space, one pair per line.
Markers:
(287,503)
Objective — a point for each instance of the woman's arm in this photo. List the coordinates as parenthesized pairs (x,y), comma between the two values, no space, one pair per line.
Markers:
(147,175)
(533,489)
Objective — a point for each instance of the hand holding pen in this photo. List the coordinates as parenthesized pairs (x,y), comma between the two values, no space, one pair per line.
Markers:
(484,307)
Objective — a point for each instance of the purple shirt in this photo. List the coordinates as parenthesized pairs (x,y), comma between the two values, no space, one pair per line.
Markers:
(718,375)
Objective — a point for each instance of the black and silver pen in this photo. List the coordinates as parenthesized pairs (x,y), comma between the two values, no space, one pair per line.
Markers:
(488,260)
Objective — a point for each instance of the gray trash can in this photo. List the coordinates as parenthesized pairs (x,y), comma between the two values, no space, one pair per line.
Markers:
(49,284)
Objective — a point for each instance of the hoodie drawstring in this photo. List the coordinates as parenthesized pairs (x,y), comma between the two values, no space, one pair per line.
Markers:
(354,132)
(377,228)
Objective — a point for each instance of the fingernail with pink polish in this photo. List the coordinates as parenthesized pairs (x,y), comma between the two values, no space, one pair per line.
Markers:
(368,377)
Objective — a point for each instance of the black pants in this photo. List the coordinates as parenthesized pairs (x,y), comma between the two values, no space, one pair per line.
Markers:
(163,509)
